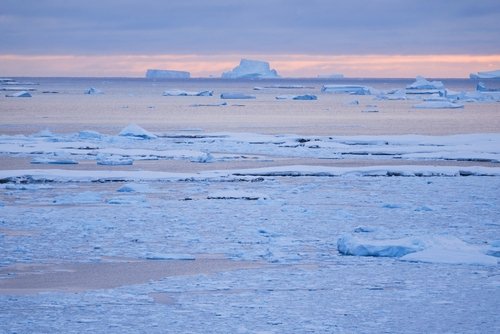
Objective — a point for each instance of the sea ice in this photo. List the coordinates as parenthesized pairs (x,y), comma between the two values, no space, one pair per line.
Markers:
(93,91)
(234,194)
(177,92)
(133,188)
(438,105)
(297,97)
(51,161)
(22,93)
(251,69)
(347,89)
(115,161)
(357,246)
(133,130)
(167,74)
(486,75)
(481,87)
(236,96)
(422,83)
(433,249)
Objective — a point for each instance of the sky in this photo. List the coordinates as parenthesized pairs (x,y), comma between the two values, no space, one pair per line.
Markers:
(358,38)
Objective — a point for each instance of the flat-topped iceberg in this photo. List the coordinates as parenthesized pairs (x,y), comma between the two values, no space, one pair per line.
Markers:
(251,69)
(485,75)
(178,92)
(422,83)
(167,74)
(347,89)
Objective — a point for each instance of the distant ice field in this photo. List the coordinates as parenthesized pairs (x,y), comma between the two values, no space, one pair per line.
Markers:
(127,211)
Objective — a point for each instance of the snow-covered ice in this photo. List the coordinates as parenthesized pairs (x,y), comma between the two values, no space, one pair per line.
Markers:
(133,130)
(305,97)
(422,83)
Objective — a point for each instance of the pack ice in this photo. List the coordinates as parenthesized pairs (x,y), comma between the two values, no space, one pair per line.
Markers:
(251,69)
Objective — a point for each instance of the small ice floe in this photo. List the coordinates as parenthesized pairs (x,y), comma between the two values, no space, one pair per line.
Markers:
(347,89)
(237,96)
(203,158)
(115,161)
(17,89)
(177,92)
(209,104)
(353,103)
(297,97)
(285,86)
(133,130)
(127,200)
(370,108)
(89,134)
(438,105)
(422,83)
(133,188)
(398,94)
(164,256)
(22,93)
(435,249)
(486,75)
(93,91)
(51,161)
(233,194)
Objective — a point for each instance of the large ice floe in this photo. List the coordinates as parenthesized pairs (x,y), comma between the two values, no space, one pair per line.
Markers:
(434,249)
(486,75)
(166,74)
(251,69)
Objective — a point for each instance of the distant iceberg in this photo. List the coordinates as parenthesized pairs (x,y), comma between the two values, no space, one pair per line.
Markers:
(236,96)
(486,75)
(167,74)
(481,87)
(422,83)
(251,69)
(347,89)
(177,92)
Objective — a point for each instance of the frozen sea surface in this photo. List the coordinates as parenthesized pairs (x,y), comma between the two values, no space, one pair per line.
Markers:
(240,196)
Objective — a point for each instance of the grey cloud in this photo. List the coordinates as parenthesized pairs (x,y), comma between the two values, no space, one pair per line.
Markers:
(245,27)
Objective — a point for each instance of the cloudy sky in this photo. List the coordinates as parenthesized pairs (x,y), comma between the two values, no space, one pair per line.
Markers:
(299,38)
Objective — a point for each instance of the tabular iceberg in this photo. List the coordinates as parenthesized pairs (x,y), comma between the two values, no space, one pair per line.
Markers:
(486,75)
(251,69)
(167,74)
